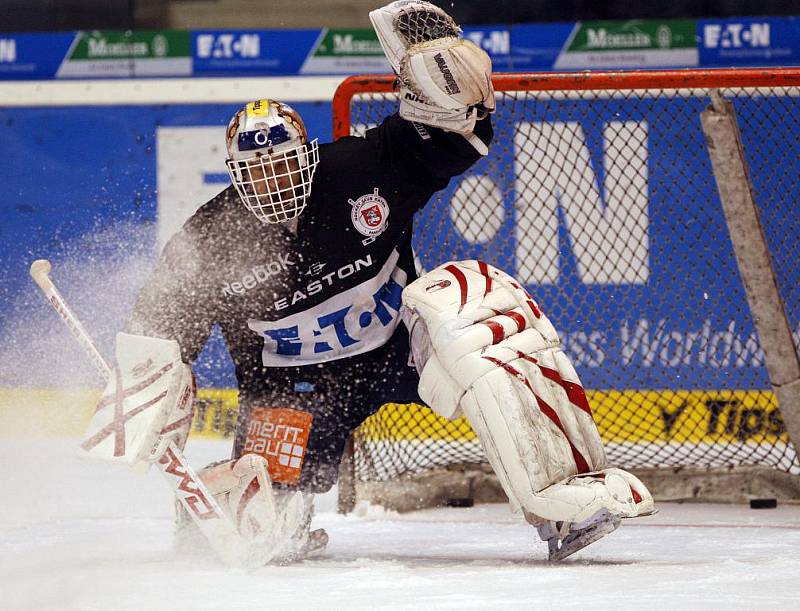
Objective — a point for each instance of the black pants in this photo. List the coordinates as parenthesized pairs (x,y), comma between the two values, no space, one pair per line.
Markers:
(340,395)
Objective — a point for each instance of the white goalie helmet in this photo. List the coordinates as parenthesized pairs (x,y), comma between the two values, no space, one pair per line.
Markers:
(270,160)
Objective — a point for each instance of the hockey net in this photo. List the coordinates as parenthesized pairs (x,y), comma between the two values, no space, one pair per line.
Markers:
(598,194)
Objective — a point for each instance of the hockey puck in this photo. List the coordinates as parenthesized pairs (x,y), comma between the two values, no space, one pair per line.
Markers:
(763,503)
(464,502)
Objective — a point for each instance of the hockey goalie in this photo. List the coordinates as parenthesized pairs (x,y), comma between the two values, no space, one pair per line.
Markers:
(302,263)
(484,348)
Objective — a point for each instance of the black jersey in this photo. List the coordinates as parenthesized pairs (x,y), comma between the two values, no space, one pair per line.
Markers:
(330,291)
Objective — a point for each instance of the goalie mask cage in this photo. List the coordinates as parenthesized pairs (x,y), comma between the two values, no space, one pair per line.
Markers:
(599,195)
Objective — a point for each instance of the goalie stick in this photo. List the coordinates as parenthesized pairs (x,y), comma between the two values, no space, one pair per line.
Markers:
(188,488)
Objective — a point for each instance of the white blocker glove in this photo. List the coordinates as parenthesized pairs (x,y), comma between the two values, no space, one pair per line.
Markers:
(148,403)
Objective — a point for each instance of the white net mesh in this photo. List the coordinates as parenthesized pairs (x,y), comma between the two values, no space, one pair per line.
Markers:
(603,203)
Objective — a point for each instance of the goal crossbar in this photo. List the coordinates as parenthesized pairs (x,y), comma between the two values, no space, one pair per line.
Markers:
(603,80)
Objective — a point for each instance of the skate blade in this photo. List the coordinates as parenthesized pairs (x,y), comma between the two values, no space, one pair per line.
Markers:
(577,540)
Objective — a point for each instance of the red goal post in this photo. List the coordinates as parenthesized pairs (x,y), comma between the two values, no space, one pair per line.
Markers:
(578,81)
(599,195)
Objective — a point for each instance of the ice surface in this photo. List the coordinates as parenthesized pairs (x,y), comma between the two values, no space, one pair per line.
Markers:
(78,535)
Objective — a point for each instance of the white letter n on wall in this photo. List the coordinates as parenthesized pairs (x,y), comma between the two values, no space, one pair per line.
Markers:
(608,232)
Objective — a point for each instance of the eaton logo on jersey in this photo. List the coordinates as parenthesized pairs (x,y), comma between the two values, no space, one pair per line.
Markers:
(360,319)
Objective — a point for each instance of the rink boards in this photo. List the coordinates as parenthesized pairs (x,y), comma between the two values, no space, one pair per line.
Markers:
(703,417)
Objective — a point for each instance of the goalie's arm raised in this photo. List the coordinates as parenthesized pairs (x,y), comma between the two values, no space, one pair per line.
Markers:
(426,157)
(445,80)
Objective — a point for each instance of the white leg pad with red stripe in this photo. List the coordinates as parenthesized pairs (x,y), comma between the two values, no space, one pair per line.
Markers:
(579,497)
(273,523)
(484,347)
(147,403)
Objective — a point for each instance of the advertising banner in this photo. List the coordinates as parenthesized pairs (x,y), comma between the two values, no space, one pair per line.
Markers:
(346,52)
(127,54)
(629,44)
(642,44)
(32,56)
(757,41)
(250,53)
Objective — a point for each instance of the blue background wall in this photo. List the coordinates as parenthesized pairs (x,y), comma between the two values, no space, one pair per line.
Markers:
(80,190)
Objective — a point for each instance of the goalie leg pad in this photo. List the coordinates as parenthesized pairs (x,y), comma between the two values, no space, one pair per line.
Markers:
(523,430)
(508,374)
(577,498)
(273,523)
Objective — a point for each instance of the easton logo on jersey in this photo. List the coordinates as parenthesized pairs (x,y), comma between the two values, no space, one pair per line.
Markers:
(370,215)
(354,321)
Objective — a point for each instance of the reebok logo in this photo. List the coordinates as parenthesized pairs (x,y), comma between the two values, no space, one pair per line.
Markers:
(257,275)
(452,86)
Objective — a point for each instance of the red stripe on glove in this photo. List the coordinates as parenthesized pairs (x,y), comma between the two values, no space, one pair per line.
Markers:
(484,269)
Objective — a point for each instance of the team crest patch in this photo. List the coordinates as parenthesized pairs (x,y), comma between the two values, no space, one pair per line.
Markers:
(370,215)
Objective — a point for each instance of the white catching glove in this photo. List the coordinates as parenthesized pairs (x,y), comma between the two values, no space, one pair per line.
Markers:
(452,74)
(147,403)
(405,23)
(449,78)
(461,121)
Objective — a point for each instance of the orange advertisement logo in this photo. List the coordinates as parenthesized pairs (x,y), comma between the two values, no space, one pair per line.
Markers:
(280,435)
